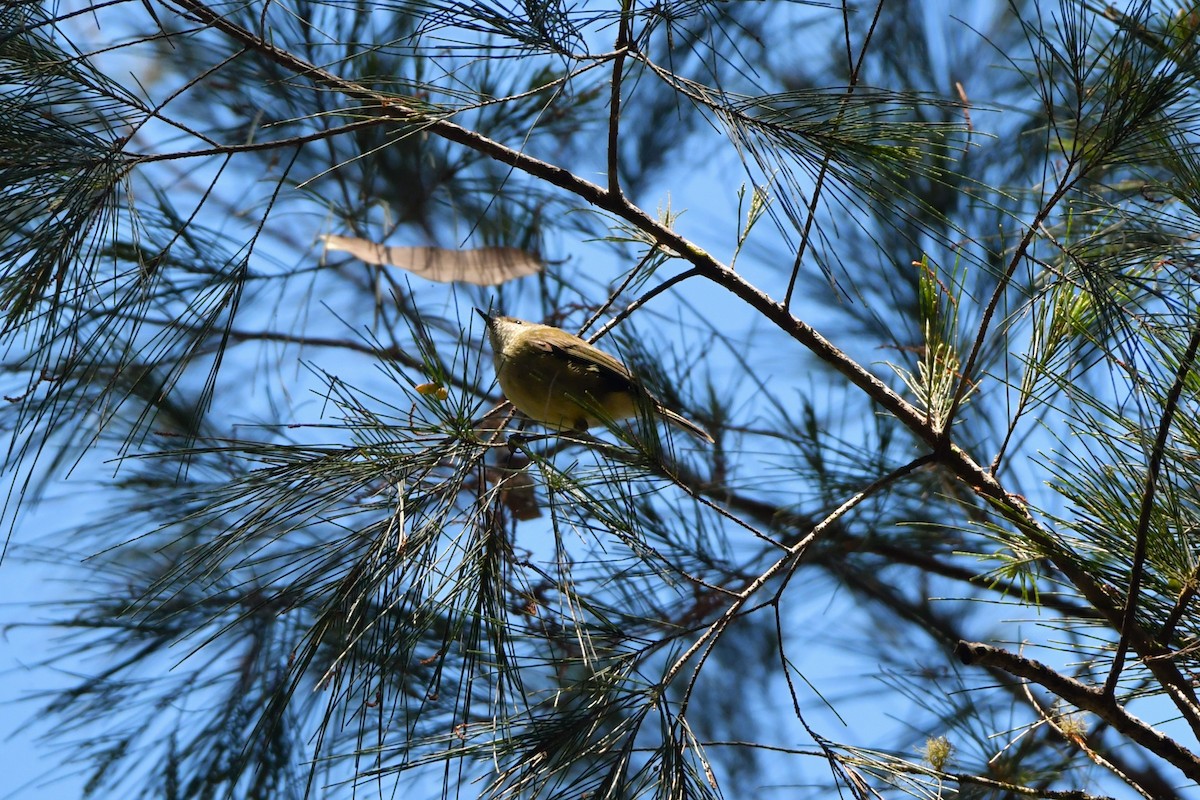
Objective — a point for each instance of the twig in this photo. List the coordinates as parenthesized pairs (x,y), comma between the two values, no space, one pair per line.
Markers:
(251,147)
(855,69)
(792,555)
(624,37)
(1148,490)
(1185,597)
(946,630)
(1086,698)
(1002,284)
(613,295)
(1078,741)
(645,298)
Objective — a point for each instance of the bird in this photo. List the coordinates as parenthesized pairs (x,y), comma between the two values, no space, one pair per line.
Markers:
(559,380)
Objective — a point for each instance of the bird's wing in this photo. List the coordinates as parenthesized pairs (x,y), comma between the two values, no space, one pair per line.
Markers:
(610,375)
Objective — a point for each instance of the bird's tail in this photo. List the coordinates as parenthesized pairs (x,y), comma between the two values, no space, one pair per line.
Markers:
(685,423)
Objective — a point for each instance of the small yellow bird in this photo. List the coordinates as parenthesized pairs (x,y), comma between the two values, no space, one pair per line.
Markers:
(561,381)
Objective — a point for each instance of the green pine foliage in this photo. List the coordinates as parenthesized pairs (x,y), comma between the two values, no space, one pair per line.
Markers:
(929,280)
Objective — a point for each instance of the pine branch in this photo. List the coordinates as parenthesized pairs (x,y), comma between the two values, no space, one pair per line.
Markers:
(1084,697)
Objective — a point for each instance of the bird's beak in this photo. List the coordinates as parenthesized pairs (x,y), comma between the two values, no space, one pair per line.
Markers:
(486,316)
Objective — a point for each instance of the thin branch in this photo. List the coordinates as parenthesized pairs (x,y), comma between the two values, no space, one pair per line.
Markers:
(928,562)
(855,69)
(624,37)
(1148,491)
(228,149)
(1001,289)
(157,111)
(646,298)
(792,556)
(1023,791)
(1085,698)
(614,294)
(946,630)
(1185,598)
(1079,742)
